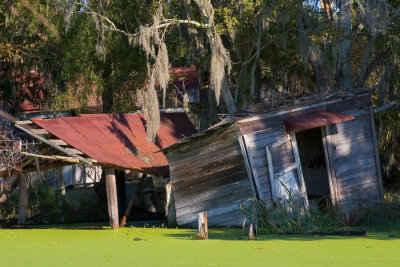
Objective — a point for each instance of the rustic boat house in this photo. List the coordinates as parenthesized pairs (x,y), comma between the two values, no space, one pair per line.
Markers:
(319,149)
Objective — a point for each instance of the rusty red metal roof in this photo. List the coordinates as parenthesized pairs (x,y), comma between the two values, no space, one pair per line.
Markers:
(120,139)
(315,119)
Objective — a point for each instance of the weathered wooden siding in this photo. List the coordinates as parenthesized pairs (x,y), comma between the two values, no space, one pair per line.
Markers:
(352,154)
(255,143)
(209,173)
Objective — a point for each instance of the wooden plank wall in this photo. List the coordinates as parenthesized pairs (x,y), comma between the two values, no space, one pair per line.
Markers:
(209,174)
(352,154)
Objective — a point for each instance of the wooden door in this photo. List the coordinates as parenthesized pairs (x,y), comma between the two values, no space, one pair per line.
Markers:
(285,172)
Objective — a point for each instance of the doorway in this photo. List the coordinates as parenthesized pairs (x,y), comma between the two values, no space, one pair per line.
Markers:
(315,172)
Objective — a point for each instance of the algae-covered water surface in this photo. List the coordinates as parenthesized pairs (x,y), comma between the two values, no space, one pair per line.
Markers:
(176,247)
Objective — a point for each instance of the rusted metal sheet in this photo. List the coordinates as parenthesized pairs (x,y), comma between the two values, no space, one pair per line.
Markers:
(315,119)
(120,139)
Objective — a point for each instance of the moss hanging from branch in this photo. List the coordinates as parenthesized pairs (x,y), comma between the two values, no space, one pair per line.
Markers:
(157,56)
(220,66)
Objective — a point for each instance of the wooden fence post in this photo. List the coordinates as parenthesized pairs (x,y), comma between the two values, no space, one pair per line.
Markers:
(170,211)
(203,225)
(253,231)
(112,200)
(23,198)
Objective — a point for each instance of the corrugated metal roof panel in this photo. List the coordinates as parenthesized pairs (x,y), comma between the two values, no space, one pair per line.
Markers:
(315,119)
(120,139)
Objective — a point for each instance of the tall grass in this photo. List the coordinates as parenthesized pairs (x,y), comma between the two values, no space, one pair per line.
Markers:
(289,216)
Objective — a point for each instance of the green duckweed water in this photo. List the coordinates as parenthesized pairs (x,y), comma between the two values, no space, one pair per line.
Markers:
(176,247)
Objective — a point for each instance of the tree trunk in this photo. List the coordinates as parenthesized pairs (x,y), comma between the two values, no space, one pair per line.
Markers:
(112,200)
(23,198)
(344,77)
(227,96)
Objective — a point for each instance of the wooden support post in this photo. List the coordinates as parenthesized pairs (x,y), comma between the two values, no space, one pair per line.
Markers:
(23,198)
(170,210)
(253,231)
(203,226)
(112,199)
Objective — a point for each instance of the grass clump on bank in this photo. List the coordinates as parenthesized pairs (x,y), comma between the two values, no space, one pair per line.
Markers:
(290,217)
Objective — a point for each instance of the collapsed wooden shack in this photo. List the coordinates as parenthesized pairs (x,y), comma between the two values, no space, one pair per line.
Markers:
(320,149)
(112,141)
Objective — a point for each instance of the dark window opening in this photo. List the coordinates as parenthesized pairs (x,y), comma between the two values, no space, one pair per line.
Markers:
(313,164)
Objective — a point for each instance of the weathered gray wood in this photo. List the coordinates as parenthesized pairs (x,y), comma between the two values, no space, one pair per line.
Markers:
(280,142)
(234,198)
(376,153)
(353,159)
(252,231)
(368,178)
(39,131)
(23,198)
(274,185)
(226,214)
(214,180)
(250,165)
(58,142)
(202,225)
(208,175)
(208,161)
(286,175)
(351,164)
(291,168)
(256,188)
(24,122)
(275,119)
(303,191)
(74,150)
(112,200)
(170,207)
(204,195)
(332,183)
(385,107)
(211,165)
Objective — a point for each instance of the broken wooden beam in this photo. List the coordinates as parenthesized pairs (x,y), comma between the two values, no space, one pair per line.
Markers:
(58,142)
(385,107)
(112,199)
(63,150)
(39,131)
(53,157)
(24,122)
(74,150)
